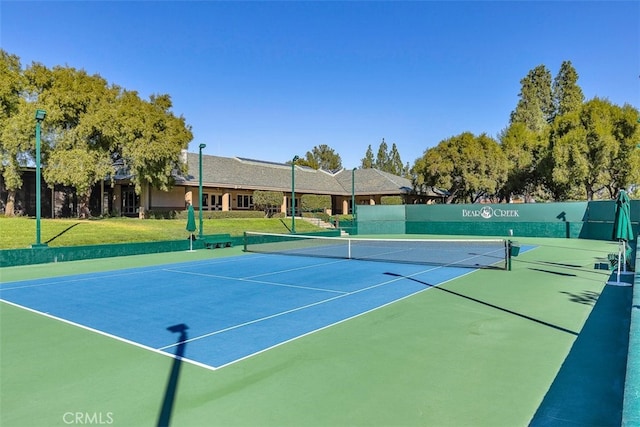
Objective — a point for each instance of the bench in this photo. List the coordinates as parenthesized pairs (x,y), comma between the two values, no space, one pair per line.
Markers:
(218,241)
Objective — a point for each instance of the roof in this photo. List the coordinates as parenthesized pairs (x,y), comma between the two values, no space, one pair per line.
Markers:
(242,173)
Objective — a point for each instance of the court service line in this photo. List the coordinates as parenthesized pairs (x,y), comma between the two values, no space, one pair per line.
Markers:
(293,310)
(305,267)
(264,282)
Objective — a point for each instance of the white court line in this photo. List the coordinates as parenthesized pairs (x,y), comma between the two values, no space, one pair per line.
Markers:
(108,335)
(251,279)
(426,288)
(209,367)
(78,279)
(104,274)
(263,282)
(282,313)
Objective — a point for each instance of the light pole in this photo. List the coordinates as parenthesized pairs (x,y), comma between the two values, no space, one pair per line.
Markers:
(200,188)
(293,194)
(40,115)
(353,194)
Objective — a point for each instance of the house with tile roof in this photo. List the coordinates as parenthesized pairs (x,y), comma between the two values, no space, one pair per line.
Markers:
(228,184)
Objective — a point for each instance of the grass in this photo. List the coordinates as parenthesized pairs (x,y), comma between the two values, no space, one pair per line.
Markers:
(20,232)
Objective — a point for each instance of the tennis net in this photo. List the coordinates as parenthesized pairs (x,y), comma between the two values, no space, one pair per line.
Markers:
(470,253)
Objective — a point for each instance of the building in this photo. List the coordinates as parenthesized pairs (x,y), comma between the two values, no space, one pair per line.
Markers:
(228,185)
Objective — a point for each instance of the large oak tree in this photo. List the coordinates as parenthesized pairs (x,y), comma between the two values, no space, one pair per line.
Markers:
(90,127)
(468,167)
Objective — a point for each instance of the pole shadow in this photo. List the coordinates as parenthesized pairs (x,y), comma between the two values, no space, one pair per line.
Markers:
(172,384)
(62,232)
(487,304)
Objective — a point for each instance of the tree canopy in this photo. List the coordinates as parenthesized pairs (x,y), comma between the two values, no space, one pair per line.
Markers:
(594,148)
(556,146)
(321,157)
(268,201)
(90,127)
(386,160)
(535,107)
(468,167)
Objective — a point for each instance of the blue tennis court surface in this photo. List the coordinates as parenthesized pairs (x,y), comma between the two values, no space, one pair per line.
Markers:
(233,307)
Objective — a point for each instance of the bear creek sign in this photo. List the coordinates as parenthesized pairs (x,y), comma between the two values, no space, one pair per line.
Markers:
(487,212)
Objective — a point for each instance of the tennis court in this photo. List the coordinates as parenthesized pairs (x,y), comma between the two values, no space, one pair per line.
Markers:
(230,338)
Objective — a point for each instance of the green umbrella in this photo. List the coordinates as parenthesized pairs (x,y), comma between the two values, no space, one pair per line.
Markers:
(622,231)
(622,226)
(191,225)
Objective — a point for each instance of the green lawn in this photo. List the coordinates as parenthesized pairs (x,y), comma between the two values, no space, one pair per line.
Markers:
(20,232)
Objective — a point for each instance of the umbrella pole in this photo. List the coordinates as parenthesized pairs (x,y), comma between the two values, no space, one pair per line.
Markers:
(622,258)
(620,255)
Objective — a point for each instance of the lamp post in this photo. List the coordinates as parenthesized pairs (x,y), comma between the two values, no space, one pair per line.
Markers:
(353,193)
(40,115)
(293,194)
(200,188)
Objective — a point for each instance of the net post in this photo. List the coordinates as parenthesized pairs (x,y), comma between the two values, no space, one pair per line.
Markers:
(245,240)
(508,258)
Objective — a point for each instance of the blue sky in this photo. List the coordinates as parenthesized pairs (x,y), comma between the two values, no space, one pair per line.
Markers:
(270,80)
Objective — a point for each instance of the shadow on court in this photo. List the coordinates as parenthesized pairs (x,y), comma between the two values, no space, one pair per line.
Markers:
(589,388)
(172,384)
(585,297)
(488,304)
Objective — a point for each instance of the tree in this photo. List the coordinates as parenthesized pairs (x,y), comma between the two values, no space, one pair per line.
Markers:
(567,95)
(382,158)
(526,140)
(78,111)
(150,139)
(535,107)
(14,122)
(368,160)
(323,157)
(468,167)
(90,125)
(395,165)
(268,201)
(624,168)
(525,150)
(594,149)
(386,160)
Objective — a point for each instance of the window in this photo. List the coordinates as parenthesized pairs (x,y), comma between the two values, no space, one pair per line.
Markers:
(216,202)
(245,201)
(205,200)
(298,206)
(130,201)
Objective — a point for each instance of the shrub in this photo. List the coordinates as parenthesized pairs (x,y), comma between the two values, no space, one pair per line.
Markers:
(268,201)
(391,200)
(315,202)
